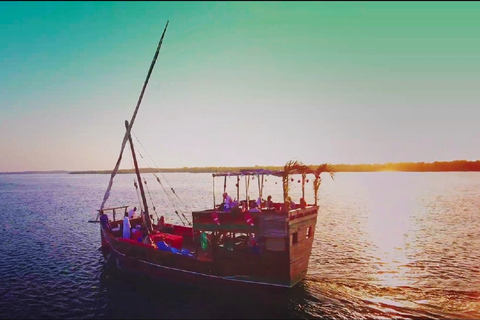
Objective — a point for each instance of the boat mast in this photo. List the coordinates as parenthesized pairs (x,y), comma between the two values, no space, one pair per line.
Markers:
(142,192)
(125,138)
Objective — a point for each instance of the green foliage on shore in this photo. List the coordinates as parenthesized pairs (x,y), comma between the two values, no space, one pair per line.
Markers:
(437,166)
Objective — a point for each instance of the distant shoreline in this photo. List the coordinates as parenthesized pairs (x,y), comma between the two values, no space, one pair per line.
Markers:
(438,166)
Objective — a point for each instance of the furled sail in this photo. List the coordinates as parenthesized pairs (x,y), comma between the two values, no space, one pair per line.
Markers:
(127,133)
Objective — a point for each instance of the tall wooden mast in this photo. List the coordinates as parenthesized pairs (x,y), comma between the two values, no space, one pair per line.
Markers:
(140,184)
(125,138)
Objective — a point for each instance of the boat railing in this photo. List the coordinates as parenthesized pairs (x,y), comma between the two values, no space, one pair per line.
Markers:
(114,211)
(294,214)
(215,220)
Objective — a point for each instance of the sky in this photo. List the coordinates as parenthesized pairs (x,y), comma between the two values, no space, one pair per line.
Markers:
(238,83)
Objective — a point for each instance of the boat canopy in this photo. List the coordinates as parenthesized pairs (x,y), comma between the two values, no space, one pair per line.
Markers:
(290,168)
(256,172)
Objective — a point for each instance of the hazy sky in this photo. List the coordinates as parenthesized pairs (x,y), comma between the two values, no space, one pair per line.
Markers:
(238,83)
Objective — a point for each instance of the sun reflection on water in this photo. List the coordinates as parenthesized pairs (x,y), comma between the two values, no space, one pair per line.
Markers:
(390,231)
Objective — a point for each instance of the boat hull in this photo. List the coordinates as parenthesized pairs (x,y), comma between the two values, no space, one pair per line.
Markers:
(281,260)
(158,271)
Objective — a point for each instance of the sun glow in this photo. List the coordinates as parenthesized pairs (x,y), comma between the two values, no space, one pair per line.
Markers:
(390,230)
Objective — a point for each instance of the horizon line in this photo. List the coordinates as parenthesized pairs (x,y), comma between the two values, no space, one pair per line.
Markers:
(227,167)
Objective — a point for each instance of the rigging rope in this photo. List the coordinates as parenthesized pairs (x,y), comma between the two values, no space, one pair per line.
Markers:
(173,204)
(181,203)
(151,200)
(138,194)
(137,191)
(158,179)
(168,196)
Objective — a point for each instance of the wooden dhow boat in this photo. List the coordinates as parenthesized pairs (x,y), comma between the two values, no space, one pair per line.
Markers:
(244,242)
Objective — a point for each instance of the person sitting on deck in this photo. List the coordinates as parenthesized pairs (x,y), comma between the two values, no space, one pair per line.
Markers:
(147,239)
(161,222)
(254,208)
(259,202)
(104,221)
(269,203)
(235,203)
(303,203)
(145,236)
(131,213)
(126,226)
(227,202)
(162,227)
(243,205)
(292,204)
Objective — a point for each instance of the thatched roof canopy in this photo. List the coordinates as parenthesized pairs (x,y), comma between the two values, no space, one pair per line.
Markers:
(256,172)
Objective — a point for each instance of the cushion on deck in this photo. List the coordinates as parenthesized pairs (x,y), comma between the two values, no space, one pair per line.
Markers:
(171,239)
(135,243)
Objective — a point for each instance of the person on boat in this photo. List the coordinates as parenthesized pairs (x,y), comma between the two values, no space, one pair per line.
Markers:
(126,226)
(286,206)
(291,203)
(243,205)
(235,203)
(131,213)
(259,202)
(145,236)
(104,221)
(227,202)
(254,208)
(147,239)
(161,222)
(162,227)
(269,203)
(303,203)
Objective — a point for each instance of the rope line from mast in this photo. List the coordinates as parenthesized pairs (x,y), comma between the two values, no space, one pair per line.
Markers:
(156,168)
(151,199)
(173,204)
(164,178)
(164,190)
(138,194)
(137,191)
(168,196)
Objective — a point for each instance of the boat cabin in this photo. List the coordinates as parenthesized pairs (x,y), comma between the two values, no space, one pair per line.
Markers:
(256,234)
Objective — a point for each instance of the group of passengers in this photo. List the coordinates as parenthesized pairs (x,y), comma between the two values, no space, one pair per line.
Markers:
(127,227)
(228,204)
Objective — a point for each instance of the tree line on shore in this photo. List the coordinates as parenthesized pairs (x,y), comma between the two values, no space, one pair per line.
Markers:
(437,166)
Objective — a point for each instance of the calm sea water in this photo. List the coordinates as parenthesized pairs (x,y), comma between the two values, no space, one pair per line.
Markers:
(387,245)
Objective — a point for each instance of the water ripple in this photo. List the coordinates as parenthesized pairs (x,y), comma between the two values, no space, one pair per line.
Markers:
(381,250)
